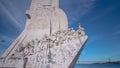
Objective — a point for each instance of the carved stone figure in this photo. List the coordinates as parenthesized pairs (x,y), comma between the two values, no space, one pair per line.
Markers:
(46,41)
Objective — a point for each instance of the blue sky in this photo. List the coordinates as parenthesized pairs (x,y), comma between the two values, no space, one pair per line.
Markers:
(100,18)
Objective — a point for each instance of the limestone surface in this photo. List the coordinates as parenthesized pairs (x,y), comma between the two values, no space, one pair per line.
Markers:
(46,41)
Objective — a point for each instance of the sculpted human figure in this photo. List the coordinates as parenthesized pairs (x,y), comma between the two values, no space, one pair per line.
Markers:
(80,30)
(57,47)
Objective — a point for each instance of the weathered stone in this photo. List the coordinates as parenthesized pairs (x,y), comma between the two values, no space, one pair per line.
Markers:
(46,41)
(13,62)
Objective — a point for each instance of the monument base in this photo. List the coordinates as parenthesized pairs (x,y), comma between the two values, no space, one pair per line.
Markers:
(58,50)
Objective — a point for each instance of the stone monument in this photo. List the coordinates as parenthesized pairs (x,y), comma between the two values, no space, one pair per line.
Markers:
(46,41)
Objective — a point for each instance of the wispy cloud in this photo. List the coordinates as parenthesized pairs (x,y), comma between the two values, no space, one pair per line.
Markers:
(84,6)
(75,9)
(13,12)
(7,12)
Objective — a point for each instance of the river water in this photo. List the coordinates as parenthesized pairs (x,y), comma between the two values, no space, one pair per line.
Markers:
(97,66)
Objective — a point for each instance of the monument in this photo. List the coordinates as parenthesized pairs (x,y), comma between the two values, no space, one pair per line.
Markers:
(46,41)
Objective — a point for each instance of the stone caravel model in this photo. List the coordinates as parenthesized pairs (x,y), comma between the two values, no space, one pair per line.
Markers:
(46,41)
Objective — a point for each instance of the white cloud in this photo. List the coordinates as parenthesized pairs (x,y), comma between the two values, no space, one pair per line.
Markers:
(77,8)
(84,7)
(7,12)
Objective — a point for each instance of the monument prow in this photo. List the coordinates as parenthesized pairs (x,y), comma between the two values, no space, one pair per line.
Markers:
(46,41)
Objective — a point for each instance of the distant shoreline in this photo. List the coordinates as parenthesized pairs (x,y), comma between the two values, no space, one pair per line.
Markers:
(115,62)
(103,62)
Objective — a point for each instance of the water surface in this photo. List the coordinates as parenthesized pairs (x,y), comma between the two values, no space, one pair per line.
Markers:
(97,66)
